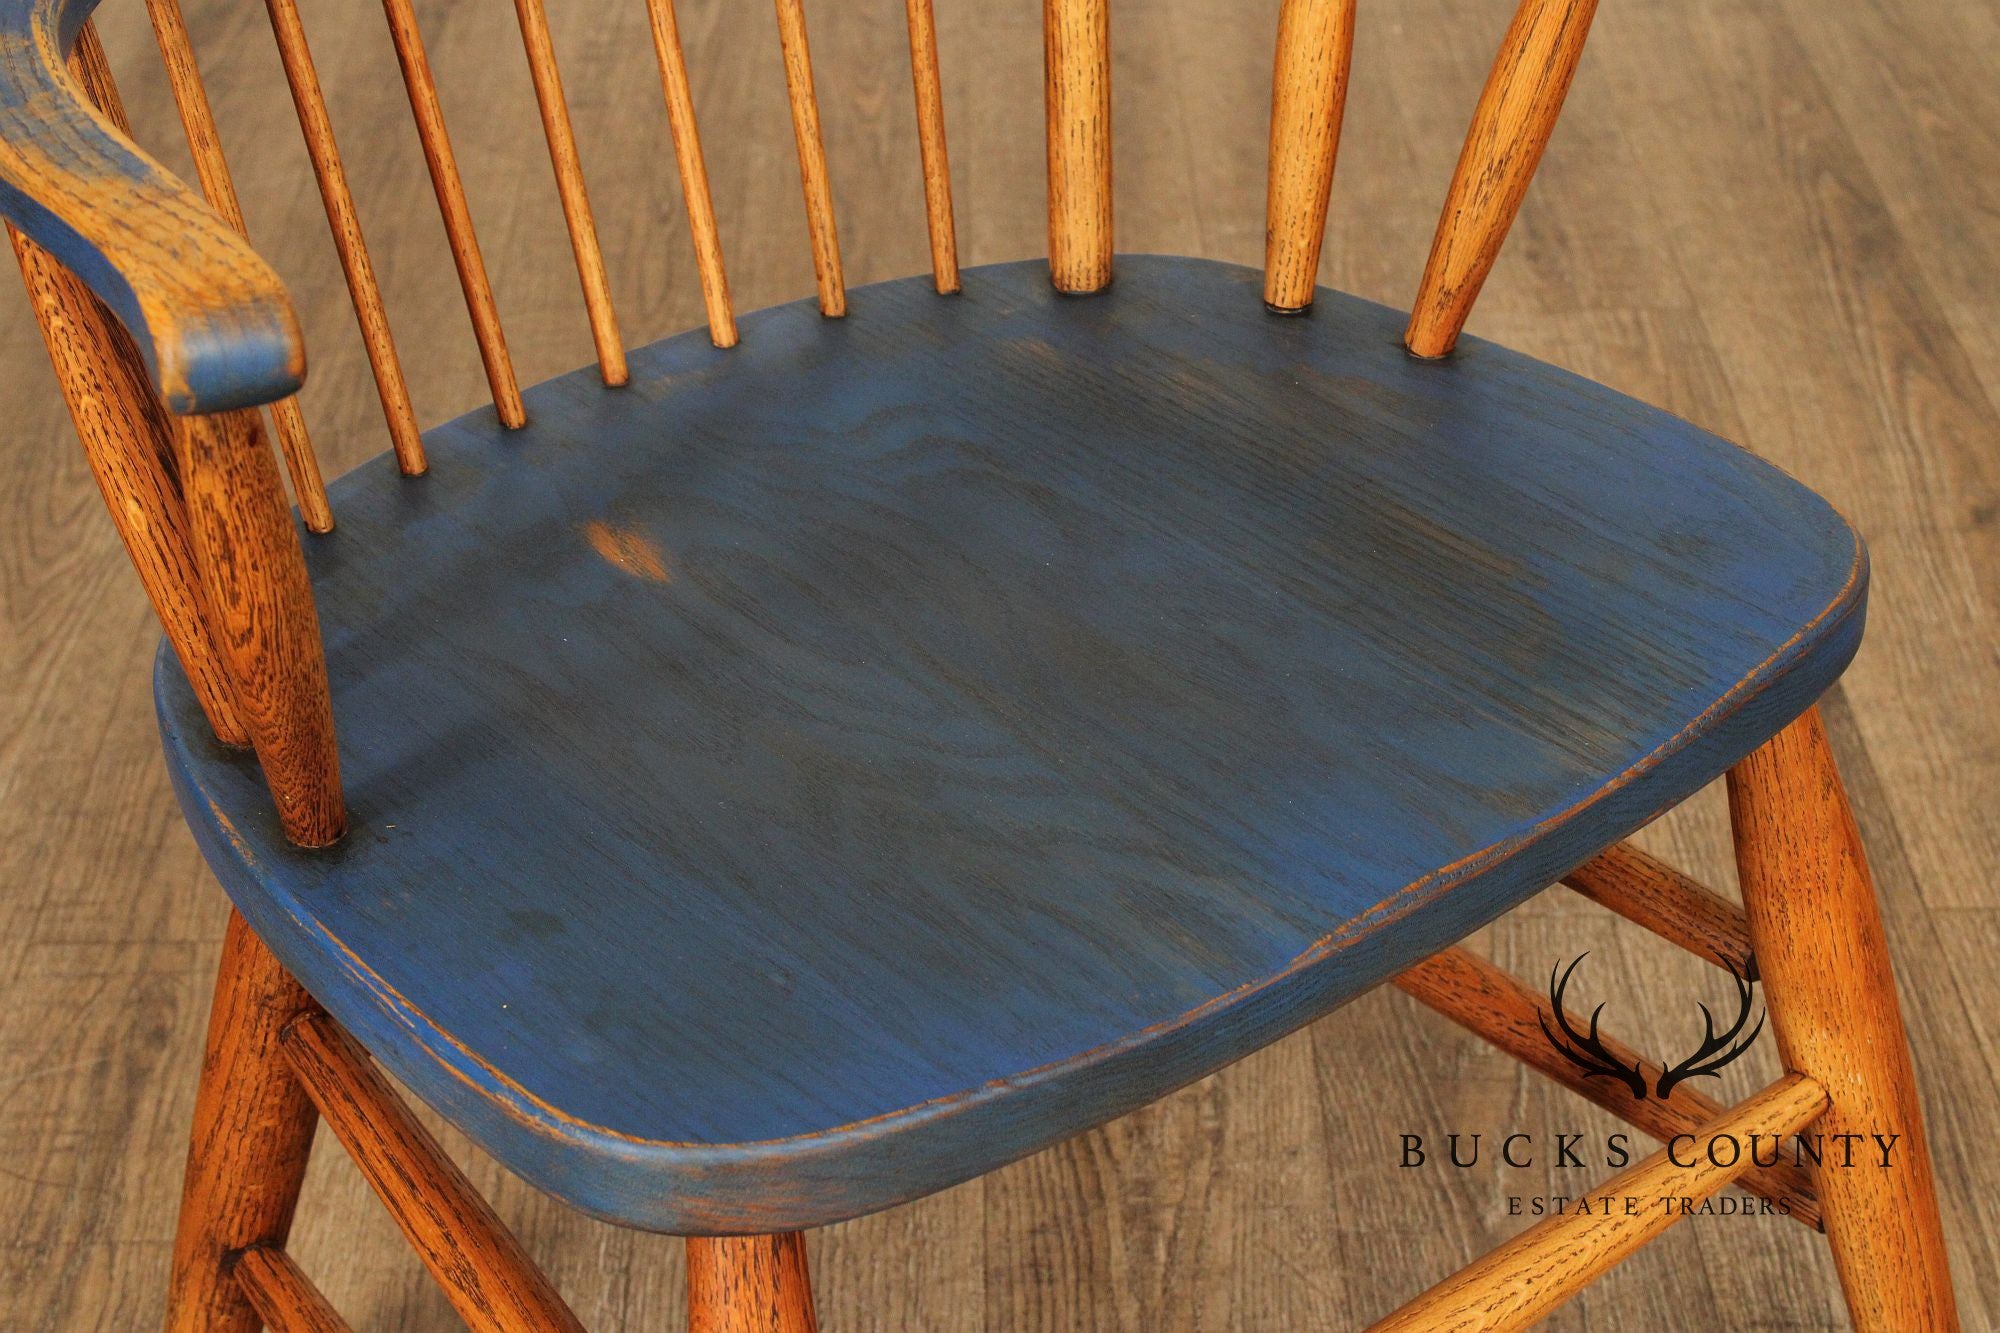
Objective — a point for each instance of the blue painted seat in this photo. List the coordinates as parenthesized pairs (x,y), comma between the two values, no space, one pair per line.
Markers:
(828,769)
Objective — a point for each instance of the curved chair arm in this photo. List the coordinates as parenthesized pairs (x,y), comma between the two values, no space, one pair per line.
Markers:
(211,318)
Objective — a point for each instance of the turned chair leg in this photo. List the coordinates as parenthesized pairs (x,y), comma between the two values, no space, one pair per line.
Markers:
(749,1284)
(1820,947)
(253,1130)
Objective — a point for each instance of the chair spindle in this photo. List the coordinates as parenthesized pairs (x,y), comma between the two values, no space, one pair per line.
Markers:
(205,144)
(694,172)
(1308,95)
(450,189)
(534,19)
(284,1297)
(930,141)
(1076,53)
(1510,127)
(344,222)
(812,158)
(489,1279)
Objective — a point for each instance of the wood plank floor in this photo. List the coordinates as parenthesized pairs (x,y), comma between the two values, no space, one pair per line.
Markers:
(1778,218)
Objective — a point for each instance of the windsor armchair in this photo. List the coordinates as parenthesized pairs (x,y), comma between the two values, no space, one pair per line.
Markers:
(779,780)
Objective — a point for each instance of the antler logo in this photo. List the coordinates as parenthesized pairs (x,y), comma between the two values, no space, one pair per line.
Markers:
(1585,1050)
(1588,1052)
(1716,1049)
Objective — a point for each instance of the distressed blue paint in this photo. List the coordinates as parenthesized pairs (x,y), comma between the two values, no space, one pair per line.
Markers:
(1046,702)
(208,316)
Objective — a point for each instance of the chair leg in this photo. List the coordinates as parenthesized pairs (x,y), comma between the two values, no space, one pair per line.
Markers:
(1821,949)
(253,1130)
(749,1284)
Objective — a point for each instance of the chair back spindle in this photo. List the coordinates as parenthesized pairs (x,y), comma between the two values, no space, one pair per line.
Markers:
(929,87)
(1308,95)
(1510,127)
(679,95)
(344,222)
(212,170)
(556,128)
(1076,53)
(812,158)
(450,190)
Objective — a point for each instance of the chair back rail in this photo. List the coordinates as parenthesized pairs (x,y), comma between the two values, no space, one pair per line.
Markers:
(148,297)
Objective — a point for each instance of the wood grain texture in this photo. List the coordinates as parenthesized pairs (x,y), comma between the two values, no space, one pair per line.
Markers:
(1060,915)
(129,439)
(262,618)
(820,230)
(547,78)
(212,169)
(693,171)
(1488,1000)
(421,85)
(344,222)
(253,1130)
(1510,127)
(1648,892)
(1262,1198)
(281,1293)
(1076,74)
(489,1279)
(1308,95)
(929,86)
(1832,995)
(1527,1279)
(208,315)
(749,1284)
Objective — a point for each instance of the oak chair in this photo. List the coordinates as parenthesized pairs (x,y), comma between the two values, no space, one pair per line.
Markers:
(779,780)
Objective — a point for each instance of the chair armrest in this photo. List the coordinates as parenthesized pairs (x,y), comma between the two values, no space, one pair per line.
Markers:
(210,317)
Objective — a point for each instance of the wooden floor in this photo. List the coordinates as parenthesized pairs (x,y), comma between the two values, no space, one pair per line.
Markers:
(1778,218)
